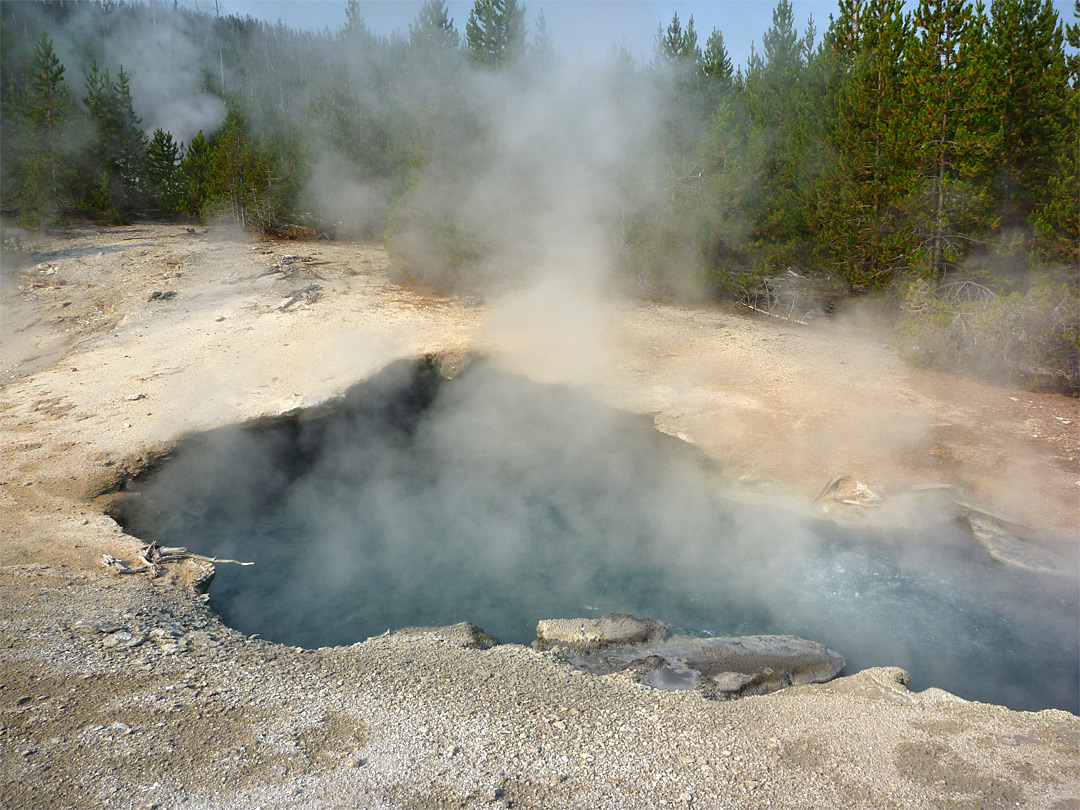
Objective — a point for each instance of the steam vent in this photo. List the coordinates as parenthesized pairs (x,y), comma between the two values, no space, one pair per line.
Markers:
(428,497)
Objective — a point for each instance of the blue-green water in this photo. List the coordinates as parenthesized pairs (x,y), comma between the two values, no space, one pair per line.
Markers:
(498,501)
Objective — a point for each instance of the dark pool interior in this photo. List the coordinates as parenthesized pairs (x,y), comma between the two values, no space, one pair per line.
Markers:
(422,500)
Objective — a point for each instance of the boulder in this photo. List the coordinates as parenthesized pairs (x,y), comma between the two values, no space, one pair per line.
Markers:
(582,636)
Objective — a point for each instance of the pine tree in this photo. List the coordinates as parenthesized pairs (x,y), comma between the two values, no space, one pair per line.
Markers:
(433,29)
(112,163)
(495,32)
(542,47)
(39,116)
(1056,219)
(716,63)
(954,133)
(859,217)
(679,47)
(782,96)
(783,51)
(163,157)
(355,30)
(1072,37)
(242,174)
(1032,93)
(195,176)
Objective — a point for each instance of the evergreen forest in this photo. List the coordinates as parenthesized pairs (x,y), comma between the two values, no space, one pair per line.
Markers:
(926,155)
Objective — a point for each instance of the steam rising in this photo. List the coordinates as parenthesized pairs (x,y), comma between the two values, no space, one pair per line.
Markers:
(499,501)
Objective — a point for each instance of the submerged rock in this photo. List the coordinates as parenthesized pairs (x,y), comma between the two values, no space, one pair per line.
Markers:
(590,635)
(721,668)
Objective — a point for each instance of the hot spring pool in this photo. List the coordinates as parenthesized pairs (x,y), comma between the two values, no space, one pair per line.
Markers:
(499,501)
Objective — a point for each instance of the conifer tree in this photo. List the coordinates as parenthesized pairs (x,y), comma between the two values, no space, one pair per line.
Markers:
(677,46)
(542,47)
(112,163)
(495,32)
(433,29)
(859,217)
(355,30)
(953,131)
(163,157)
(38,119)
(782,95)
(195,176)
(1032,93)
(715,61)
(1056,219)
(241,174)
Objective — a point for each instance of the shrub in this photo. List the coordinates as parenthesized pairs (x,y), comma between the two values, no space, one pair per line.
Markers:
(1030,337)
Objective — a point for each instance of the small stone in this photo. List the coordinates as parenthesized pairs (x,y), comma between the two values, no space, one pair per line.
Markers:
(23,700)
(122,639)
(123,728)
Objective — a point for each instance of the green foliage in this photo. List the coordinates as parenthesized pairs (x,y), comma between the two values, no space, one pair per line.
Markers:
(715,61)
(954,133)
(112,166)
(1032,95)
(495,32)
(433,29)
(1056,221)
(243,181)
(195,176)
(859,216)
(678,46)
(782,94)
(163,172)
(38,130)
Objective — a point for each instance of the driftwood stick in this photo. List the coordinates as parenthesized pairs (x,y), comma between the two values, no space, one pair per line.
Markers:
(119,566)
(152,556)
(217,559)
(774,315)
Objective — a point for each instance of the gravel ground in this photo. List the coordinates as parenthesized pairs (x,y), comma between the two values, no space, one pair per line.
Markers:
(121,691)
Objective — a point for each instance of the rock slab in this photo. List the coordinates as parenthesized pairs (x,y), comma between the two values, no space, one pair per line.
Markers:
(591,635)
(721,668)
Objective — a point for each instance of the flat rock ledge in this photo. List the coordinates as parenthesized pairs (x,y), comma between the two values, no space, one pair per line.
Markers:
(591,635)
(721,668)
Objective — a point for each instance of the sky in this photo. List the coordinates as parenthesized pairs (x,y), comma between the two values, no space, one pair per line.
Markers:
(575,25)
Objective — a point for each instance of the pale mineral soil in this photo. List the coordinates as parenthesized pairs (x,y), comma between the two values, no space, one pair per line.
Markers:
(121,691)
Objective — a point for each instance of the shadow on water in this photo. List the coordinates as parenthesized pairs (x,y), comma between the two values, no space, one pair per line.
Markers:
(492,499)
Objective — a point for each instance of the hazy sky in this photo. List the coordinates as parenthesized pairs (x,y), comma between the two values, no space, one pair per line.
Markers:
(575,25)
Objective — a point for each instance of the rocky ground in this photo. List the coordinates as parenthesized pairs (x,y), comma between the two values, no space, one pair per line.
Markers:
(122,691)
